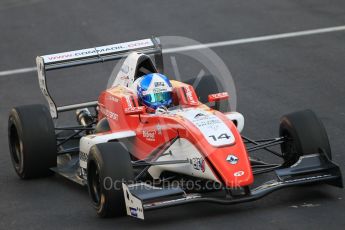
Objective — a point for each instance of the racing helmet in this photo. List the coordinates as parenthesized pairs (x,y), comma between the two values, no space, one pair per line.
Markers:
(155,90)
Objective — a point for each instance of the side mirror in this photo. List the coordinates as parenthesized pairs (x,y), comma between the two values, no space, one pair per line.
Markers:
(218,97)
(135,110)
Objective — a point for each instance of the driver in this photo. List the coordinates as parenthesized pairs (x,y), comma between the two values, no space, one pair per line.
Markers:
(154,91)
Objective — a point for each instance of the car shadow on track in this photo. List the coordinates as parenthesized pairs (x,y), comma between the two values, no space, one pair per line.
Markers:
(281,199)
(287,198)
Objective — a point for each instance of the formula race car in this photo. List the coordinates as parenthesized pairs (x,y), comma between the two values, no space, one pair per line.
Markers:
(133,160)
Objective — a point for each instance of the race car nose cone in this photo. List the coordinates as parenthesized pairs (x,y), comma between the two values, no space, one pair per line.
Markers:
(232,159)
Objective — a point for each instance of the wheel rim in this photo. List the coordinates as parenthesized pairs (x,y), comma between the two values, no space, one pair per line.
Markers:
(95,185)
(16,149)
(289,150)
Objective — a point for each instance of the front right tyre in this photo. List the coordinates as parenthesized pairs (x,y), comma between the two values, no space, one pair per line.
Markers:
(109,165)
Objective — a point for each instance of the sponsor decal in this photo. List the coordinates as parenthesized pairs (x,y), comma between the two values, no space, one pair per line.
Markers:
(60,57)
(149,135)
(214,127)
(198,164)
(155,90)
(199,116)
(112,98)
(189,95)
(135,110)
(97,51)
(159,84)
(109,114)
(129,103)
(232,159)
(141,43)
(133,211)
(158,90)
(202,120)
(239,173)
(208,123)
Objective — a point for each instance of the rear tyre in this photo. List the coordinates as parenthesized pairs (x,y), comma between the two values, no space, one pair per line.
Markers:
(109,165)
(32,141)
(305,134)
(207,85)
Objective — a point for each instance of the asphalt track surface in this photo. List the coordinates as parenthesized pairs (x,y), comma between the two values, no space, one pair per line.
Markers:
(272,78)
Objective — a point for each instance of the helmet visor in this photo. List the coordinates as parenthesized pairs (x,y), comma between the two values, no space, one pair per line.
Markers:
(157,97)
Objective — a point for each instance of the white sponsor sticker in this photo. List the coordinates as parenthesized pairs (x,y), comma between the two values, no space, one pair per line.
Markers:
(149,135)
(216,132)
(65,56)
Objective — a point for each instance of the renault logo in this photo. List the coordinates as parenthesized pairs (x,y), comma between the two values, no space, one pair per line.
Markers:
(239,173)
(232,159)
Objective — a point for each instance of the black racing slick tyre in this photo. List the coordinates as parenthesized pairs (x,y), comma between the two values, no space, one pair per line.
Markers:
(305,134)
(207,85)
(109,165)
(32,141)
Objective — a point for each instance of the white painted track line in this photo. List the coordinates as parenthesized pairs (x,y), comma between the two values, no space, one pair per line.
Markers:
(256,39)
(17,71)
(218,44)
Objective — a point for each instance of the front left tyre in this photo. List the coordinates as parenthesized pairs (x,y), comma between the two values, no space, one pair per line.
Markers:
(305,134)
(32,141)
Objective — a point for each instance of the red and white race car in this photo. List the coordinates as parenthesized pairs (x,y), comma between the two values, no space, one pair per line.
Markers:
(133,160)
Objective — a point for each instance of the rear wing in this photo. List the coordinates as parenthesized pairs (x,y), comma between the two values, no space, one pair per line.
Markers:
(100,54)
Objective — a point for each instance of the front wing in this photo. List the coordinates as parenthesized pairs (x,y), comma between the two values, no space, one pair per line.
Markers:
(313,168)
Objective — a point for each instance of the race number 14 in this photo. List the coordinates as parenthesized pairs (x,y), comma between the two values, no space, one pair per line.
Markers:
(221,136)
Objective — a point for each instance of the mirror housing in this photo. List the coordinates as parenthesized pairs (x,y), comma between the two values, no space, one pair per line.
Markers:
(218,97)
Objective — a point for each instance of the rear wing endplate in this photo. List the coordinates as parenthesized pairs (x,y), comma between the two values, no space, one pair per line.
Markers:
(90,56)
